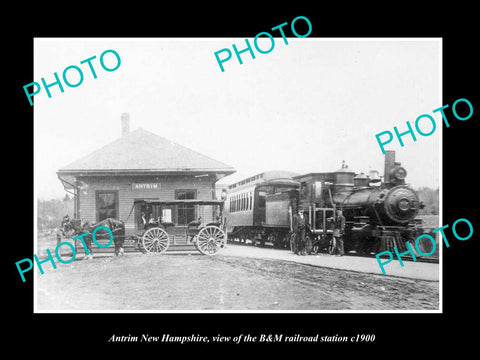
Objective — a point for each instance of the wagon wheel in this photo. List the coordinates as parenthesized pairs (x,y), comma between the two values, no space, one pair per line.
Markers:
(155,240)
(210,240)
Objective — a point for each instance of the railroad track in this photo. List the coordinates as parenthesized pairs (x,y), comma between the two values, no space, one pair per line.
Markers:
(428,259)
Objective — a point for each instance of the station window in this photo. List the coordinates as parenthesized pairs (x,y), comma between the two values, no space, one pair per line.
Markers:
(107,204)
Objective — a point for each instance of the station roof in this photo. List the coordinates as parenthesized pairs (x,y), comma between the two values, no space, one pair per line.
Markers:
(141,151)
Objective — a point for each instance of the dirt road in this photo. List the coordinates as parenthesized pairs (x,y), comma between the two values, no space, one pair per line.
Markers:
(138,282)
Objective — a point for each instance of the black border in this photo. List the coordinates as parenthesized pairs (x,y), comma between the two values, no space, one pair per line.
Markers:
(408,333)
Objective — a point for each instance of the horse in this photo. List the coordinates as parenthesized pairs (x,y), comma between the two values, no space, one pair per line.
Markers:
(79,227)
(66,229)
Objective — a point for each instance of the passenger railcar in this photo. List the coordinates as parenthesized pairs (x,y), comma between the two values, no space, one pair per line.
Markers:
(246,206)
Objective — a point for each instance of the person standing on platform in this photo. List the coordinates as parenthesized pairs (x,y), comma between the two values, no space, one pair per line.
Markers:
(338,232)
(300,224)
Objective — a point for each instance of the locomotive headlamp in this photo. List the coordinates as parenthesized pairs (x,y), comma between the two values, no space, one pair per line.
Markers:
(398,173)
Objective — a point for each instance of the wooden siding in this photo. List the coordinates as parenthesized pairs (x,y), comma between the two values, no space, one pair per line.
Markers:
(126,195)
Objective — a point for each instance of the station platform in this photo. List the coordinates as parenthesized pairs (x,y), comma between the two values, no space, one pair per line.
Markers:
(411,269)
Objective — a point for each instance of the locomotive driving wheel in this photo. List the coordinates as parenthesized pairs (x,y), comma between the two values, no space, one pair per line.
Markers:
(155,240)
(293,243)
(210,240)
(308,244)
(276,240)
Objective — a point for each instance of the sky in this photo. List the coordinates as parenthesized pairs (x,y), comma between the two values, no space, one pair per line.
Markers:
(303,107)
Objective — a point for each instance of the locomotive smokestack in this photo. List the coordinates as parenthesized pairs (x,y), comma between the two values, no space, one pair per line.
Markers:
(389,165)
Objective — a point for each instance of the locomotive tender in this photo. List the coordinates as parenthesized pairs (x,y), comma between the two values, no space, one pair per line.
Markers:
(379,215)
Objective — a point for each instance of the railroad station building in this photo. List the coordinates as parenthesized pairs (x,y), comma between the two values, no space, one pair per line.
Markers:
(141,165)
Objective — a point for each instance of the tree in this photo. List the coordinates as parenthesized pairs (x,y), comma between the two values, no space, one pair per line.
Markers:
(50,212)
(430,199)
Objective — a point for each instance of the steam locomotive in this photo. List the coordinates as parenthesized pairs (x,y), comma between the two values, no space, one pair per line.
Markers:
(379,215)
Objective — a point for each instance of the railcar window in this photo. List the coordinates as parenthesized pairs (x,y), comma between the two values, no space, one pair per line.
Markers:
(261,199)
(303,190)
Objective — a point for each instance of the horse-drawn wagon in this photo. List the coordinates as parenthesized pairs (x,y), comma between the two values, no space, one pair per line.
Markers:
(207,237)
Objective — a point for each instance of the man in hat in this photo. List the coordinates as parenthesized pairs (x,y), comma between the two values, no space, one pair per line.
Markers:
(300,224)
(338,232)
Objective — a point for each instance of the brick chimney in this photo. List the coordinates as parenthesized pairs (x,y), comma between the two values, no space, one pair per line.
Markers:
(125,124)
